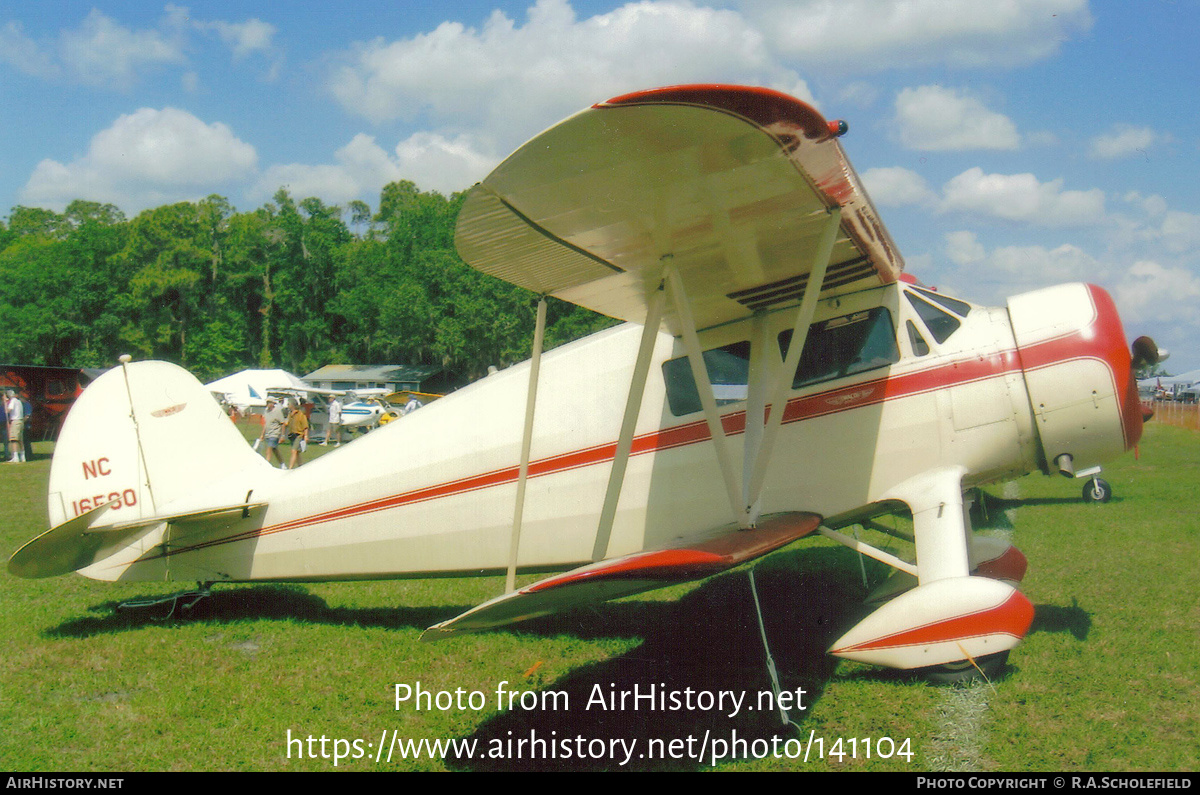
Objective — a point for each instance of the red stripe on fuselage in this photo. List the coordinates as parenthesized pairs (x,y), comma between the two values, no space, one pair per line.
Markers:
(797,409)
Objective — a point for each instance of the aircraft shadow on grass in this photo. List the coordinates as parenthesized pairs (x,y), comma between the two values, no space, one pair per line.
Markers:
(708,641)
(1053,618)
(293,602)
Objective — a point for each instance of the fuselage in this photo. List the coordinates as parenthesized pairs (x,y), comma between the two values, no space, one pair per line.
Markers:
(899,380)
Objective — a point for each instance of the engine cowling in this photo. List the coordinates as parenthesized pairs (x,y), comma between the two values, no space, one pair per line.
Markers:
(1079,374)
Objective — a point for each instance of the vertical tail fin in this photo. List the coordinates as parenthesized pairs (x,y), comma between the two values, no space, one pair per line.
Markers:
(142,437)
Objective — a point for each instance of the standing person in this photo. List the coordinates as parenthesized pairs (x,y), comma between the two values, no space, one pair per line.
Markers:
(16,427)
(4,426)
(272,432)
(335,421)
(26,440)
(297,431)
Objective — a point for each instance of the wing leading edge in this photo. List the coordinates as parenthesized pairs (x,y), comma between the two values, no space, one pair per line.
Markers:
(732,185)
(719,551)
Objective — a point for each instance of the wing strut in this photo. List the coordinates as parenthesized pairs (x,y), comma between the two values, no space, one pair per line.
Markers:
(804,317)
(633,406)
(691,342)
(510,581)
(756,409)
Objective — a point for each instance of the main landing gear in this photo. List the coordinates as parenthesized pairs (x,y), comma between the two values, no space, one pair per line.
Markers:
(1097,490)
(989,667)
(964,613)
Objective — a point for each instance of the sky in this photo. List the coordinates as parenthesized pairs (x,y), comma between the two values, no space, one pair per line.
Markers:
(1008,145)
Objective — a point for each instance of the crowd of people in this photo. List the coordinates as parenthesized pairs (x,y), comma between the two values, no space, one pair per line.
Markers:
(288,420)
(285,421)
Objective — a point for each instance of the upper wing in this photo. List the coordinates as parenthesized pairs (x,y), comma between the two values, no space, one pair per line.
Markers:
(642,571)
(731,183)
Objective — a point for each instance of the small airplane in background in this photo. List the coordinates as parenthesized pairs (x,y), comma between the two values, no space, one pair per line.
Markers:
(362,409)
(367,409)
(780,377)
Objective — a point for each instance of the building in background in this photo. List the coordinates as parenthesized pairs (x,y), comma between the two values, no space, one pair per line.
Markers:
(392,377)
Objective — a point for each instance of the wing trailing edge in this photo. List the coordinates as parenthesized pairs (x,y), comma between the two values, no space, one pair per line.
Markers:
(719,551)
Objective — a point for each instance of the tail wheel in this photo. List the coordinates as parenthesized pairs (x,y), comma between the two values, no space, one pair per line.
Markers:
(1097,490)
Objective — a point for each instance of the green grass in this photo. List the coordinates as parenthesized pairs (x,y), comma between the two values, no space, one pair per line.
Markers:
(1106,680)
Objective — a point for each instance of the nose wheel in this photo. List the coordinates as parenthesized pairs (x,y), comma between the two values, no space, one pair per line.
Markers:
(1097,490)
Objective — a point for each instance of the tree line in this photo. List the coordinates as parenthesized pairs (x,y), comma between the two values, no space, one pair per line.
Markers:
(291,284)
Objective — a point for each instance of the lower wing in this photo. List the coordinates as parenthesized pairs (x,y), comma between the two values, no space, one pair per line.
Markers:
(696,559)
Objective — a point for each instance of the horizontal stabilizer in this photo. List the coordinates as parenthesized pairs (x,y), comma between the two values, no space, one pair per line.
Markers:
(642,571)
(184,518)
(80,542)
(63,549)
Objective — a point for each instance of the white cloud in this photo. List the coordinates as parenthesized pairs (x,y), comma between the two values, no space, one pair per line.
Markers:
(1146,292)
(362,167)
(870,35)
(859,94)
(146,157)
(1122,141)
(101,52)
(933,118)
(1020,265)
(896,187)
(1065,263)
(1152,205)
(993,276)
(1180,231)
(435,162)
(243,38)
(1021,197)
(1151,291)
(513,78)
(963,248)
(22,52)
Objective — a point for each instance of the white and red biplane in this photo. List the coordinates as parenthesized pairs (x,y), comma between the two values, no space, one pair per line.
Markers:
(780,377)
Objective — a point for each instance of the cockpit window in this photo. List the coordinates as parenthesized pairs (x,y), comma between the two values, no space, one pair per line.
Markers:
(844,346)
(728,370)
(917,342)
(960,308)
(941,324)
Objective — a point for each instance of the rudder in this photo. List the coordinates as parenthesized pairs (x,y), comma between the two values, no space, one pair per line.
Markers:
(142,436)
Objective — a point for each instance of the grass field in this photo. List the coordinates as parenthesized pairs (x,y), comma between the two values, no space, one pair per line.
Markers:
(1106,680)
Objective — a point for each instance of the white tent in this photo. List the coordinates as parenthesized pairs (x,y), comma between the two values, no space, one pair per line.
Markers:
(1174,384)
(248,389)
(1188,379)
